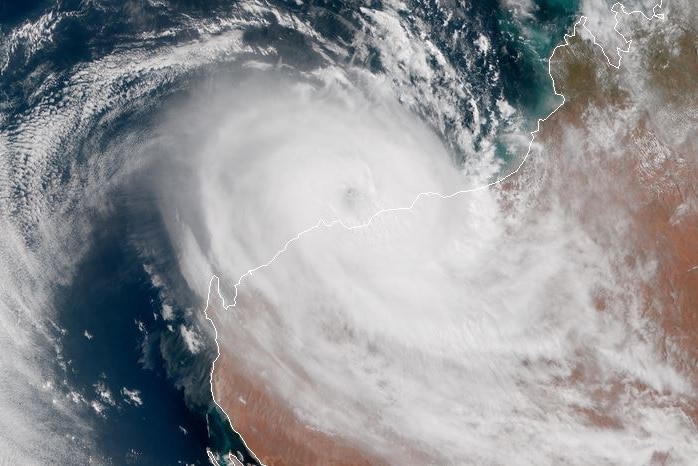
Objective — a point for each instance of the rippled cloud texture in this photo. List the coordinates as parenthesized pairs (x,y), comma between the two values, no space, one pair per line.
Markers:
(511,325)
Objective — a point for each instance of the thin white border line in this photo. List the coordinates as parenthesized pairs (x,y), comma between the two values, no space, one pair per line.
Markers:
(617,8)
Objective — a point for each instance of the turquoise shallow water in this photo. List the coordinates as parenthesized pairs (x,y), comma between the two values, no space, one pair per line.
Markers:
(112,298)
(529,41)
(130,346)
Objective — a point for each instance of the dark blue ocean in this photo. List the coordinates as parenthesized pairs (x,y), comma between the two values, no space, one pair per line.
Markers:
(114,302)
(110,333)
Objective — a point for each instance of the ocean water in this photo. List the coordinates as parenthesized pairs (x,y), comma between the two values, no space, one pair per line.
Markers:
(113,343)
(85,87)
(109,322)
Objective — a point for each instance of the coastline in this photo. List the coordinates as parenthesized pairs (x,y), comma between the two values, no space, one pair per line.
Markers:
(217,394)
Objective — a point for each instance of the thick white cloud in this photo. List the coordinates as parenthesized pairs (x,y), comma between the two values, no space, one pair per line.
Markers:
(449,329)
(444,326)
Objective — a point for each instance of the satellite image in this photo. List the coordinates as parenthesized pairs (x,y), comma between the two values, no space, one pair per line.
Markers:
(349,232)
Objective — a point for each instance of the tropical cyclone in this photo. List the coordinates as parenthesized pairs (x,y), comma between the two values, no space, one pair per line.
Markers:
(549,319)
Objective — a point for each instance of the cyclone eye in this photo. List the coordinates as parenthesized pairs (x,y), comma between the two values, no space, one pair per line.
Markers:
(351,194)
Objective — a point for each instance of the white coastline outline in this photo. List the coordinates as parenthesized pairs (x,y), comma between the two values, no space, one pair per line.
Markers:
(616,9)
